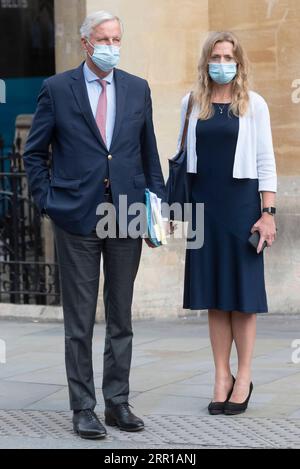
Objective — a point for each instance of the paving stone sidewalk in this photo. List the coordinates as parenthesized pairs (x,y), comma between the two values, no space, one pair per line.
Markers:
(171,385)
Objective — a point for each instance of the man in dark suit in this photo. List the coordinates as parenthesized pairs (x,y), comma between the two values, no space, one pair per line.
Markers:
(98,121)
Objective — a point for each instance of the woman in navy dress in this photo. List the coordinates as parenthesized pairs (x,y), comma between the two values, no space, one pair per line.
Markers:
(233,171)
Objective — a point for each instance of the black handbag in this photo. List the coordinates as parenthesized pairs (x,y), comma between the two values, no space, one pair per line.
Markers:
(178,184)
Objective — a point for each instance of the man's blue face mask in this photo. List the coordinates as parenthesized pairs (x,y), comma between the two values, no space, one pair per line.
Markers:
(105,57)
(222,73)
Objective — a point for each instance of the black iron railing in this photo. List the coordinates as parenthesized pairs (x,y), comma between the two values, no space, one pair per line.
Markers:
(25,277)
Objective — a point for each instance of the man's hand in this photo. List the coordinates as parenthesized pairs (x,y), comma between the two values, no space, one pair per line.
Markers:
(149,244)
(170,227)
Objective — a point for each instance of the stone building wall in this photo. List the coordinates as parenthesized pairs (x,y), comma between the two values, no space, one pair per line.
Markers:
(162,43)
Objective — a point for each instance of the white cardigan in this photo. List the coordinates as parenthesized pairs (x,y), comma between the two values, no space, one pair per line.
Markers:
(254,156)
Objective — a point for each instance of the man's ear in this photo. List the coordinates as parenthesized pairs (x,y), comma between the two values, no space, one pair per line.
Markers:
(84,44)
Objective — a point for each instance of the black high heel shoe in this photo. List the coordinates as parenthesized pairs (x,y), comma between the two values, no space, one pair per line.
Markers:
(217,408)
(232,408)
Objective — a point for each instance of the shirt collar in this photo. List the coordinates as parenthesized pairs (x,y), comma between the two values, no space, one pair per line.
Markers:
(90,76)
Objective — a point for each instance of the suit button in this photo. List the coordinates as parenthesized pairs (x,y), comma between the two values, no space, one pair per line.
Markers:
(106,181)
(110,157)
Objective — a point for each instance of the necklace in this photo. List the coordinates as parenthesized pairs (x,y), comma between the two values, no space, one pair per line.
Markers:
(221,109)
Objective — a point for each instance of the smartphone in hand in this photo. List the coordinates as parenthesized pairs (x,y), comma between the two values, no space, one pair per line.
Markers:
(254,240)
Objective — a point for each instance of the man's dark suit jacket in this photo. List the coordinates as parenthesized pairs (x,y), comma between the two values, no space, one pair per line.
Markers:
(75,186)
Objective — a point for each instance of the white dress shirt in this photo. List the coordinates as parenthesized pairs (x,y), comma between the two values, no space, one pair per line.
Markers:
(94,90)
(254,156)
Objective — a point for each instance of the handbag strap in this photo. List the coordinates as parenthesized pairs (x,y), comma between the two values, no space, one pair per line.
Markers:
(187,118)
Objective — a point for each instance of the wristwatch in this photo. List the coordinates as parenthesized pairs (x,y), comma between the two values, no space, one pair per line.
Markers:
(270,210)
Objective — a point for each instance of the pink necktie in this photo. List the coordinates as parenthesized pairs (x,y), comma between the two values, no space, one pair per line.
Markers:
(101,114)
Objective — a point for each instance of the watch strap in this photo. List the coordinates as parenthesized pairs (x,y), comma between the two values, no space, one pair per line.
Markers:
(270,210)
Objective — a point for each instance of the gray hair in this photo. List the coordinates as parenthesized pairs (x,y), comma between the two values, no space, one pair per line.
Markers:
(94,19)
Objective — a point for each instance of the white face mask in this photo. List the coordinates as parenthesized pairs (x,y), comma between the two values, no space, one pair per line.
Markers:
(105,57)
(222,73)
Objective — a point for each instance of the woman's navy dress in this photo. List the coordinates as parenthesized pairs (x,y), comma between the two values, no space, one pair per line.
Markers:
(226,273)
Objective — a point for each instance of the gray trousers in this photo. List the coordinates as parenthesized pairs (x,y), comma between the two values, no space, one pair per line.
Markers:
(79,266)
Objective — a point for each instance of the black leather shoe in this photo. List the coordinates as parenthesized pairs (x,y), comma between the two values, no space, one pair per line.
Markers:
(121,416)
(233,408)
(217,408)
(87,425)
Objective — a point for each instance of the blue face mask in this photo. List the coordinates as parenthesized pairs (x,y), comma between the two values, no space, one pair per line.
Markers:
(105,57)
(222,73)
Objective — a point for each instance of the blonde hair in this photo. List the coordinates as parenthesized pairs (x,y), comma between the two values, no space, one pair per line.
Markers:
(204,86)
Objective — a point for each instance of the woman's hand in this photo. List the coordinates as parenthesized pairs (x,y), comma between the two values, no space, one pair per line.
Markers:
(266,227)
